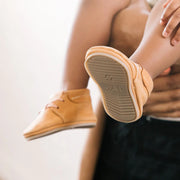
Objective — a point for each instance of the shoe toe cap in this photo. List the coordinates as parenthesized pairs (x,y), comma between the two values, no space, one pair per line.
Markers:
(42,123)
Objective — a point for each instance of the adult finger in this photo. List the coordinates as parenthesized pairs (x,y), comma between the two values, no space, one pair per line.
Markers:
(168,107)
(169,10)
(176,37)
(174,114)
(166,72)
(172,24)
(164,83)
(166,3)
(164,96)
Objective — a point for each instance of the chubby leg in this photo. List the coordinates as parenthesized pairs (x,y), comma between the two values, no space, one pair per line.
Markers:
(155,53)
(92,27)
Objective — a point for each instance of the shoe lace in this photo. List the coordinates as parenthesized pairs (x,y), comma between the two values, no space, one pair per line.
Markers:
(51,105)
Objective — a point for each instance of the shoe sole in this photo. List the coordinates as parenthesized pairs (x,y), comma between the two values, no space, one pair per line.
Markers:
(113,75)
(58,129)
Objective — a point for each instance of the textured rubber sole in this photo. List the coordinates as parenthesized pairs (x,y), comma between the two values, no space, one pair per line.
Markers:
(85,125)
(114,80)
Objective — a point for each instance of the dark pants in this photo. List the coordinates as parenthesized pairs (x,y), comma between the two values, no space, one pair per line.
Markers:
(143,150)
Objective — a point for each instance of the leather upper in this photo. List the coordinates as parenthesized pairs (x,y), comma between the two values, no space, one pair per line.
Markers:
(64,108)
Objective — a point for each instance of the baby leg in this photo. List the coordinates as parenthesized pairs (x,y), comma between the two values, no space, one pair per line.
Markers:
(155,53)
(92,27)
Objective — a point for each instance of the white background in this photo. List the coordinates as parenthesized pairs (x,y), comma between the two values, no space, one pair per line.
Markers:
(33,42)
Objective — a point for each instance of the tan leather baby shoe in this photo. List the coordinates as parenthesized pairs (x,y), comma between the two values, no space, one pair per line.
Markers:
(66,110)
(125,86)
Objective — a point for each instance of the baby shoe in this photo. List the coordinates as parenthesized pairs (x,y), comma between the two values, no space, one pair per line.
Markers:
(124,85)
(66,110)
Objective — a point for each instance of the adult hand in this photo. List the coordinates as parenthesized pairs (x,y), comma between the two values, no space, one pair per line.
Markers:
(171,19)
(165,98)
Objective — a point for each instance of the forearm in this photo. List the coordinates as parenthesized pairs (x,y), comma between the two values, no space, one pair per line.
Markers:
(92,147)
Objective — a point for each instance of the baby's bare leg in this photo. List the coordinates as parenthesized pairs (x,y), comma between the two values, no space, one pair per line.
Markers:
(155,53)
(92,27)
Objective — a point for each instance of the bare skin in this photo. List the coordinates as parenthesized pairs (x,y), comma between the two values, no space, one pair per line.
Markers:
(170,19)
(155,53)
(165,99)
(127,38)
(90,29)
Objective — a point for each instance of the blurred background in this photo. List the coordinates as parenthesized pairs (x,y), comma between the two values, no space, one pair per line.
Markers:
(33,41)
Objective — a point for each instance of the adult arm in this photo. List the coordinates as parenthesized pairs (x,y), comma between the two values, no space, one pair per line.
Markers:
(92,146)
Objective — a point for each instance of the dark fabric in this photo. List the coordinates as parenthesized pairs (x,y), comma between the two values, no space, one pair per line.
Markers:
(142,150)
